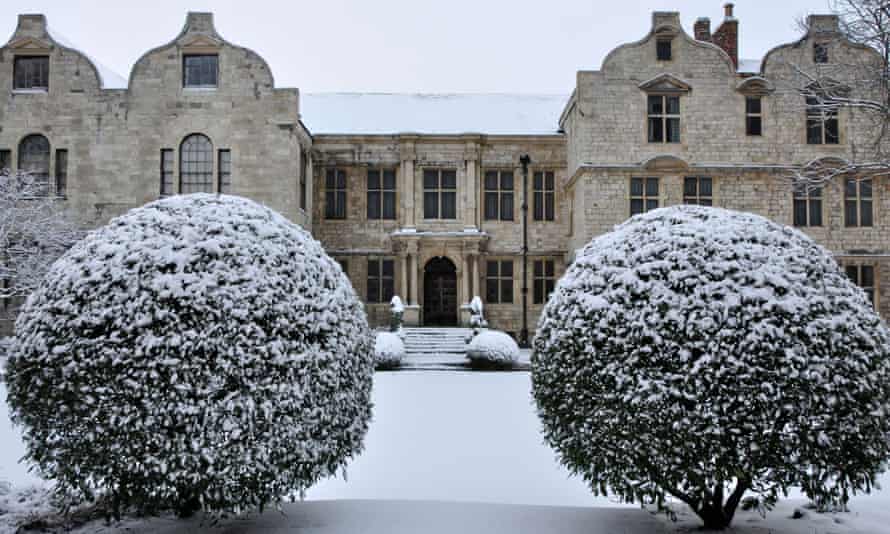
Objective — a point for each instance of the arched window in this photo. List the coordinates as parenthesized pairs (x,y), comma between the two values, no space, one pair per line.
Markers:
(196,165)
(34,159)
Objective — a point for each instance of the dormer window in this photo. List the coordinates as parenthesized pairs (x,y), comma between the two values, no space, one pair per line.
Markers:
(200,71)
(31,73)
(663,49)
(820,52)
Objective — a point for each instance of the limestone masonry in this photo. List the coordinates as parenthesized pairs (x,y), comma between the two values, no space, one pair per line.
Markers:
(422,196)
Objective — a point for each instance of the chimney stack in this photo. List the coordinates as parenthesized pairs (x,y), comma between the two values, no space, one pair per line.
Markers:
(703,29)
(727,35)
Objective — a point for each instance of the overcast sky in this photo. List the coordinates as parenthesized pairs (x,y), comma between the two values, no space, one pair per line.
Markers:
(516,46)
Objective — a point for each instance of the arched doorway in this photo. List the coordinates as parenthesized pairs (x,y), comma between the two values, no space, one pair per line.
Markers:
(440,293)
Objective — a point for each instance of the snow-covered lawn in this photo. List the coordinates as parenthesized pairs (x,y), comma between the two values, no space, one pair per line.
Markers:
(473,438)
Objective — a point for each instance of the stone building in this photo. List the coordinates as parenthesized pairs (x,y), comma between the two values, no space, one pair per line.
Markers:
(433,197)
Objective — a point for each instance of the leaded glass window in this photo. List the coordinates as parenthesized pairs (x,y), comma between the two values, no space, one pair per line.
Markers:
(200,70)
(439,194)
(196,165)
(499,195)
(225,171)
(31,73)
(34,160)
(381,194)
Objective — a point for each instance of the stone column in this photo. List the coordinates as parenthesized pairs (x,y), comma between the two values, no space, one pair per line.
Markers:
(474,266)
(406,272)
(412,272)
(465,282)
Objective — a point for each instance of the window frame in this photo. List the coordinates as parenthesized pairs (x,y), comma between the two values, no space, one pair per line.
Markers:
(381,192)
(543,280)
(336,196)
(440,193)
(201,178)
(698,198)
(859,268)
(500,194)
(377,283)
(817,117)
(500,281)
(659,49)
(751,116)
(544,197)
(858,200)
(185,71)
(42,179)
(61,173)
(44,59)
(224,171)
(806,198)
(664,118)
(167,176)
(645,197)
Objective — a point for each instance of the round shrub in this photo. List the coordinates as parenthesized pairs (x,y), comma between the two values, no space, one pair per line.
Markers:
(493,349)
(389,351)
(200,351)
(699,353)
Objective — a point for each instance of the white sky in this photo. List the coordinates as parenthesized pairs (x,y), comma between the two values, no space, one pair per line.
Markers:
(515,46)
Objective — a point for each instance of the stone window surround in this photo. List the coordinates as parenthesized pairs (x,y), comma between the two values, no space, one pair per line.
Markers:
(12,153)
(499,193)
(337,191)
(544,193)
(646,198)
(807,199)
(859,201)
(30,47)
(849,262)
(382,190)
(501,281)
(176,153)
(440,191)
(378,283)
(698,197)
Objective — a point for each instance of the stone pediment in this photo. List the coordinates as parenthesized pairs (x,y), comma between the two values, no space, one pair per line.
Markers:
(30,45)
(665,84)
(200,44)
(755,86)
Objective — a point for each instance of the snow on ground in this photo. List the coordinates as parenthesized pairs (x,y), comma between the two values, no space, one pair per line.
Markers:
(437,438)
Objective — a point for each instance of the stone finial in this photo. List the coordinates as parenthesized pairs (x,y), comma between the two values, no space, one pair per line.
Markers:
(31,25)
(199,22)
(666,18)
(823,24)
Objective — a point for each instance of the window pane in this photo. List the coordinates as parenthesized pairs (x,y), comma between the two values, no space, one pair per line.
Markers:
(166,172)
(431,205)
(705,187)
(820,52)
(506,291)
(636,206)
(663,50)
(850,188)
(865,217)
(831,132)
(196,165)
(389,205)
(31,72)
(507,269)
(752,105)
(387,290)
(539,181)
(373,268)
(548,206)
(539,291)
(341,179)
(815,212)
(539,268)
(850,213)
(341,204)
(224,171)
(61,172)
(800,212)
(200,70)
(430,179)
(507,181)
(690,187)
(491,268)
(373,204)
(549,285)
(388,268)
(373,179)
(814,131)
(656,105)
(330,179)
(449,205)
(754,126)
(491,206)
(673,105)
(651,205)
(491,180)
(673,130)
(636,187)
(548,269)
(853,273)
(5,159)
(449,179)
(549,181)
(389,179)
(34,159)
(539,206)
(865,188)
(867,275)
(704,201)
(507,206)
(656,130)
(491,291)
(652,187)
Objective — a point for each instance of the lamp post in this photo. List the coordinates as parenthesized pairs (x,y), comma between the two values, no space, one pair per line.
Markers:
(523,334)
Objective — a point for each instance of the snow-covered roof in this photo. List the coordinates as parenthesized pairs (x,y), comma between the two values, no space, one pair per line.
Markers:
(108,79)
(392,113)
(749,65)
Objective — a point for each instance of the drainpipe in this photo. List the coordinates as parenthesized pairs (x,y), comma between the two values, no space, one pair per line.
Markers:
(523,334)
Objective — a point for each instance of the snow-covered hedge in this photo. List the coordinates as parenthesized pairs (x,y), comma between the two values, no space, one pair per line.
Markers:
(389,351)
(493,348)
(696,348)
(198,351)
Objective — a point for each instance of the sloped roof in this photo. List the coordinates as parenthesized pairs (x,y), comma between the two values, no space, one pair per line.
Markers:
(108,79)
(393,113)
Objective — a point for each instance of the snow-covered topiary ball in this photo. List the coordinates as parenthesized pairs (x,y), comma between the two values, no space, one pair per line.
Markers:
(701,353)
(493,348)
(389,351)
(198,351)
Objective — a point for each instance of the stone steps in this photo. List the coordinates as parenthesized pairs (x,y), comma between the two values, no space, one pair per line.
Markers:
(420,341)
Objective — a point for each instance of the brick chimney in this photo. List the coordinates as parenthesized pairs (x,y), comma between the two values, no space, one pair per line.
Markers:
(727,35)
(702,29)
